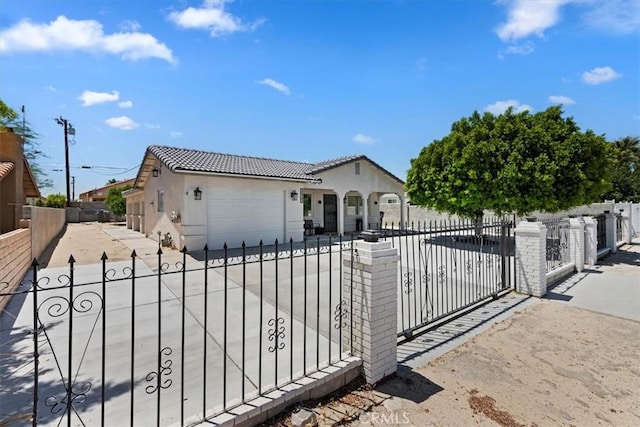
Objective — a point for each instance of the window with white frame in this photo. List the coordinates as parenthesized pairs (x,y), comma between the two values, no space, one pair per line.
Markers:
(160,200)
(354,205)
(357,168)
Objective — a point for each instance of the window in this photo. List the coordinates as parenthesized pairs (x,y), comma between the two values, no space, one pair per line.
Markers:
(354,205)
(392,201)
(160,200)
(357,168)
(306,200)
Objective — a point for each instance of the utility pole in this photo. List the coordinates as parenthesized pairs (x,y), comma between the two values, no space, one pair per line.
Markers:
(73,188)
(68,130)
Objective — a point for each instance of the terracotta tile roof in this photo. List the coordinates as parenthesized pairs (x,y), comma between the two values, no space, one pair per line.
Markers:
(182,159)
(189,160)
(5,168)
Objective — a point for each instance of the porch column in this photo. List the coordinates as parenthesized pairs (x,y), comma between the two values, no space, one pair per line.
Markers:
(340,213)
(365,211)
(403,207)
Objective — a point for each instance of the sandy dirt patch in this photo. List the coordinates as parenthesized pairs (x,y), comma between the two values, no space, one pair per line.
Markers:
(86,241)
(549,365)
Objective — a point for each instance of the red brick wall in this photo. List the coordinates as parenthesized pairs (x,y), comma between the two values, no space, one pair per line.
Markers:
(15,259)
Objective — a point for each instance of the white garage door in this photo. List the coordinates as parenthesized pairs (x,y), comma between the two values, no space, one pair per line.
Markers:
(245,215)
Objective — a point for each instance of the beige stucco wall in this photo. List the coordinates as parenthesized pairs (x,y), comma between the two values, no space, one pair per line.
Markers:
(46,225)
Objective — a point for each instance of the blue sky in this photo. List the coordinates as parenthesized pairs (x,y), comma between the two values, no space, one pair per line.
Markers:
(305,80)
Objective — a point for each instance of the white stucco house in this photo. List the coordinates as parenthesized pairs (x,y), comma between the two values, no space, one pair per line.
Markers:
(199,197)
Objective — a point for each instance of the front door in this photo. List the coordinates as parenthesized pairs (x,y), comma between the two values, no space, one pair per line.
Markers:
(330,213)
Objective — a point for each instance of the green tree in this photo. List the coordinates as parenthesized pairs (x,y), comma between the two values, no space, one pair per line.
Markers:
(9,118)
(513,162)
(625,170)
(117,204)
(112,181)
(55,201)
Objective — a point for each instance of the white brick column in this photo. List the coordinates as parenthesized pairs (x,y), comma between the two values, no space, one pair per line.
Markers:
(576,242)
(626,226)
(590,240)
(531,258)
(372,297)
(611,232)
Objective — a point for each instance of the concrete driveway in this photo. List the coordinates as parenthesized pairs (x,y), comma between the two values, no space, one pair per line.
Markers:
(254,342)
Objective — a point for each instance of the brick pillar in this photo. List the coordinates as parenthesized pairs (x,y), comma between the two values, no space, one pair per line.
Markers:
(626,226)
(373,306)
(576,242)
(531,258)
(612,244)
(590,240)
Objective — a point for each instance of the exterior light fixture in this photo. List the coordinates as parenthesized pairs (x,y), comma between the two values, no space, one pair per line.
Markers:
(294,195)
(197,194)
(155,172)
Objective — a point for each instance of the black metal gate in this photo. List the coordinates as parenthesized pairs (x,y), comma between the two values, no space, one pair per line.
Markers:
(448,267)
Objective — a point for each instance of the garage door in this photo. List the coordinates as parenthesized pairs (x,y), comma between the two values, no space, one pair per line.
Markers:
(245,215)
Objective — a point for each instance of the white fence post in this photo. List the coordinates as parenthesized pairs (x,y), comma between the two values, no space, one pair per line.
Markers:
(531,258)
(375,306)
(627,236)
(612,244)
(576,242)
(590,240)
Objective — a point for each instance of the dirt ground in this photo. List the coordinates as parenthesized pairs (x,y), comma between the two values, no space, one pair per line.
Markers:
(521,372)
(86,241)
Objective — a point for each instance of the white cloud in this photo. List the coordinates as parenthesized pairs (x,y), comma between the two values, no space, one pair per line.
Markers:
(281,87)
(518,49)
(151,126)
(125,104)
(600,75)
(212,17)
(561,99)
(500,107)
(89,97)
(122,123)
(65,34)
(175,134)
(130,26)
(618,16)
(529,17)
(363,139)
(51,88)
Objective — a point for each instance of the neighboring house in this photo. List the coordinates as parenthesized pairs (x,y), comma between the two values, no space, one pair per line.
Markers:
(200,197)
(100,194)
(17,182)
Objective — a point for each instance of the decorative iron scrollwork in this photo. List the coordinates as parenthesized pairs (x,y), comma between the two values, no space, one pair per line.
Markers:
(165,372)
(340,312)
(276,332)
(442,274)
(408,282)
(78,395)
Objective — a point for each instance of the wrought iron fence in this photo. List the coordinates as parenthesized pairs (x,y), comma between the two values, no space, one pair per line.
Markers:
(178,345)
(619,232)
(601,231)
(557,243)
(448,266)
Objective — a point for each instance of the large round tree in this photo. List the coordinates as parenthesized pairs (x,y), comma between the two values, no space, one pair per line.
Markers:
(511,163)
